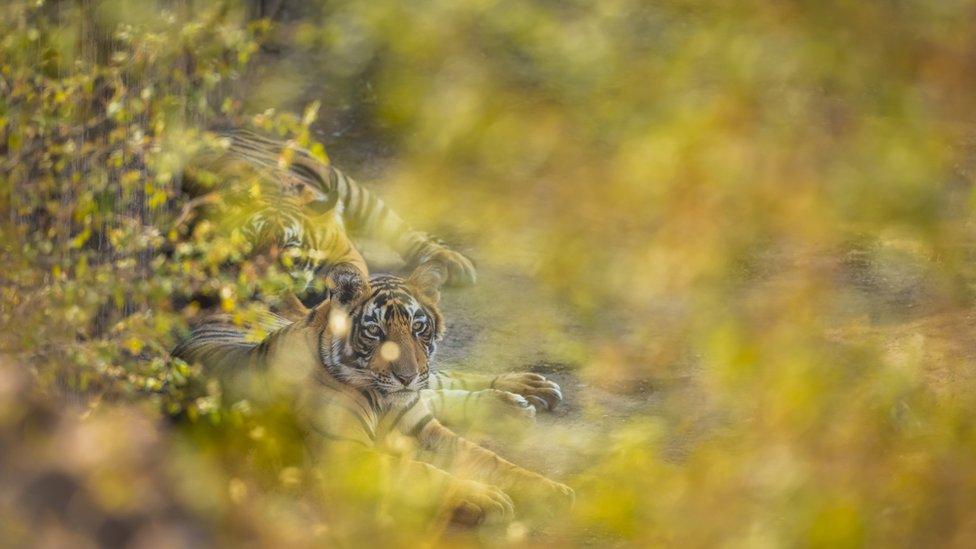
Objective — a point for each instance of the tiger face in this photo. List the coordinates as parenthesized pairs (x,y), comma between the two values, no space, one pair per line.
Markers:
(392,335)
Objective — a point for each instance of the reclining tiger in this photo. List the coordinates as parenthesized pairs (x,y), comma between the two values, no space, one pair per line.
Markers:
(360,362)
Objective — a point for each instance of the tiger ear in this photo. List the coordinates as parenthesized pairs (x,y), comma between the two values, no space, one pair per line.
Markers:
(428,278)
(347,284)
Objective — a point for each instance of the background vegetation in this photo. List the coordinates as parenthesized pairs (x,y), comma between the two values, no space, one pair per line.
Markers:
(738,233)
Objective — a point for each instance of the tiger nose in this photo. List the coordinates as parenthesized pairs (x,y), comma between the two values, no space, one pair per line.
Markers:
(405,378)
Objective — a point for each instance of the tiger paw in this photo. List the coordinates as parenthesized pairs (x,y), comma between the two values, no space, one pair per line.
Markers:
(504,405)
(544,497)
(537,390)
(460,269)
(346,283)
(562,496)
(473,503)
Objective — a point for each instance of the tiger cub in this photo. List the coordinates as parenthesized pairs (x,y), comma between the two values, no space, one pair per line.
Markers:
(361,363)
(300,211)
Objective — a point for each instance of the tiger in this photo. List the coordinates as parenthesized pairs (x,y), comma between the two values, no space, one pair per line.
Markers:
(360,367)
(360,360)
(300,211)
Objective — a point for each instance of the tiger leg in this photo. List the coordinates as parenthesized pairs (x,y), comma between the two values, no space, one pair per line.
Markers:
(366,214)
(346,273)
(460,500)
(485,408)
(347,427)
(541,393)
(346,278)
(469,460)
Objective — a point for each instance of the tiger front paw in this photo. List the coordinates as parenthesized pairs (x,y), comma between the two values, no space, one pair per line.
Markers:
(562,496)
(460,269)
(346,283)
(473,503)
(537,390)
(542,496)
(503,405)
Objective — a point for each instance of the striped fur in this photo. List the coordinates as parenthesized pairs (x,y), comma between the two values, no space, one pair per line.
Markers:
(302,207)
(352,390)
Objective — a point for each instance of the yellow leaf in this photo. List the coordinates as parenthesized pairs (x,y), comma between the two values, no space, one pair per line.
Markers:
(318,152)
(133,345)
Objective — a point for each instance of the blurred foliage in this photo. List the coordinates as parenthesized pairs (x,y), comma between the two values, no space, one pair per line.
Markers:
(760,211)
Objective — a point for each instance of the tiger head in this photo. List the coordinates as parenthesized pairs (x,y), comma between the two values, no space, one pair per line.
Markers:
(385,334)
